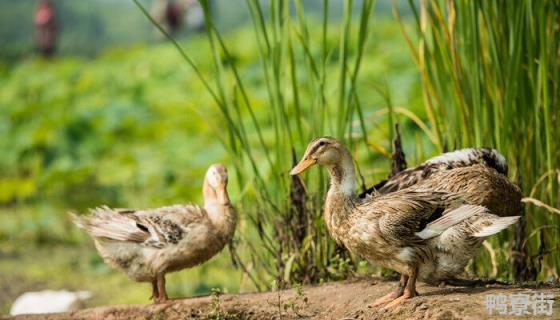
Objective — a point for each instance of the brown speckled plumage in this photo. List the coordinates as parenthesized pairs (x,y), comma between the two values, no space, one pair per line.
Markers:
(418,231)
(479,175)
(480,185)
(147,244)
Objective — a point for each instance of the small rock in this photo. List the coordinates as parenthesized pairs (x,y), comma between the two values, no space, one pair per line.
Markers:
(49,301)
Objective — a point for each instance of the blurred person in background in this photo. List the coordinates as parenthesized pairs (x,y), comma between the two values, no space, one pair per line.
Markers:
(171,15)
(46,28)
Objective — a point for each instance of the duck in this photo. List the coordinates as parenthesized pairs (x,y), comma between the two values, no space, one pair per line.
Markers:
(479,175)
(423,234)
(147,244)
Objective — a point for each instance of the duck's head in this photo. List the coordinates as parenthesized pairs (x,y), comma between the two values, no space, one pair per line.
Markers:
(215,183)
(216,176)
(216,201)
(326,151)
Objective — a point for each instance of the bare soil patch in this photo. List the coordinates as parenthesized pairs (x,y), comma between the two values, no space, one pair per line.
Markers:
(338,300)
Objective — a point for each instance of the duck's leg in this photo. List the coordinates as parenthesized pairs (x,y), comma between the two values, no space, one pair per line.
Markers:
(155,292)
(393,294)
(161,288)
(409,290)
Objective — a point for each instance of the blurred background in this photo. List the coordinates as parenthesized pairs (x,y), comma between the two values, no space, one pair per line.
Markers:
(98,106)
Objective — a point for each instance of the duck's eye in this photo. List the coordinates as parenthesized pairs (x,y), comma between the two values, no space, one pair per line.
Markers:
(322,143)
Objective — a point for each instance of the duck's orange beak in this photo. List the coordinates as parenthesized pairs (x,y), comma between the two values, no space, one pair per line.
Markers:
(302,166)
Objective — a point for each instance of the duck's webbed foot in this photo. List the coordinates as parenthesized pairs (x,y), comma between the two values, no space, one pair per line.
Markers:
(393,294)
(407,294)
(409,291)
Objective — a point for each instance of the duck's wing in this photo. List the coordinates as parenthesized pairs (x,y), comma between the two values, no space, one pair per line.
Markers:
(490,158)
(157,227)
(411,216)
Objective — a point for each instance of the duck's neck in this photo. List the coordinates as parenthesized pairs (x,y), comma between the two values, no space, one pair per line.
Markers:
(220,212)
(342,177)
(341,194)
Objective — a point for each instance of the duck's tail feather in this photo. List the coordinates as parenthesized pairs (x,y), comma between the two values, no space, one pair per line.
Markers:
(109,225)
(497,225)
(78,221)
(436,227)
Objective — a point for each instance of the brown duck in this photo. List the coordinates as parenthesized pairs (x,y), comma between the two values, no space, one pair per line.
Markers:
(423,234)
(147,244)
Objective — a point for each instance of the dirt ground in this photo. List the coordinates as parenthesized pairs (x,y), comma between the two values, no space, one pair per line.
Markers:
(338,300)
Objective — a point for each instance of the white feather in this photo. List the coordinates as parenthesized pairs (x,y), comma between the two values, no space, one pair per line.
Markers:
(469,155)
(496,226)
(458,155)
(448,220)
